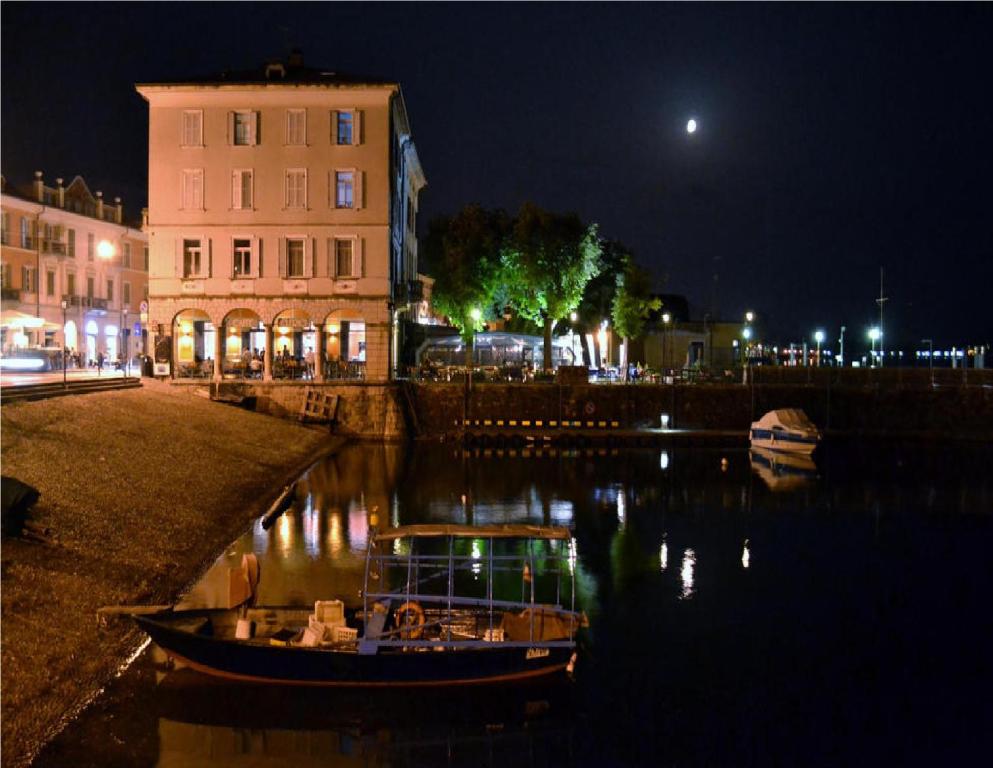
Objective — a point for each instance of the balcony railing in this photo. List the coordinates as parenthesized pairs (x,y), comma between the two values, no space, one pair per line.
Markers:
(54,247)
(86,301)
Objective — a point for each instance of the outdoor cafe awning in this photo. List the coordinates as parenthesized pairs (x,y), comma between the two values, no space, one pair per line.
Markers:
(12,318)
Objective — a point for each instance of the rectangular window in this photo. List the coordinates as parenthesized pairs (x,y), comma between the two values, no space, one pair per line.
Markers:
(296,188)
(27,280)
(344,186)
(70,283)
(192,128)
(89,287)
(242,257)
(294,256)
(126,293)
(71,247)
(110,290)
(343,258)
(145,256)
(26,233)
(244,128)
(193,189)
(296,126)
(192,258)
(126,256)
(346,123)
(49,283)
(90,246)
(5,229)
(241,189)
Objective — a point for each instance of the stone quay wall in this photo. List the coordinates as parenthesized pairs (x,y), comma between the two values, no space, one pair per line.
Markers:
(963,412)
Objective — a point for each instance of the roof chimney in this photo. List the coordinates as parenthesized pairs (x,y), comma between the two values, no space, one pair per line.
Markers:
(99,196)
(119,211)
(61,192)
(39,187)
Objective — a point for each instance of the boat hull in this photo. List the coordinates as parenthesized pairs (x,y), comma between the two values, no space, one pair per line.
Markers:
(257,663)
(783,442)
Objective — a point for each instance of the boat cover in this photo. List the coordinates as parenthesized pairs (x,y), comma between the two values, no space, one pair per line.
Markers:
(791,418)
(477,531)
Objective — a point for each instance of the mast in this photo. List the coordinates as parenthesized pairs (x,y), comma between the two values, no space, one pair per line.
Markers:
(880,301)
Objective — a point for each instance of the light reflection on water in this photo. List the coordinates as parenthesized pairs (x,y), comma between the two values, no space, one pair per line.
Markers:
(682,664)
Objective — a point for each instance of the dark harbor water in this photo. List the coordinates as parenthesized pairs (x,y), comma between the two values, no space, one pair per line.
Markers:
(742,612)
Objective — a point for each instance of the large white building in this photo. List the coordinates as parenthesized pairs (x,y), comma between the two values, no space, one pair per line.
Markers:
(282,209)
(65,245)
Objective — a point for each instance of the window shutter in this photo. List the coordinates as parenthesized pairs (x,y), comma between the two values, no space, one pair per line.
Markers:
(358,192)
(205,257)
(356,127)
(258,257)
(230,128)
(235,189)
(332,259)
(308,258)
(360,255)
(256,125)
(179,257)
(334,126)
(282,257)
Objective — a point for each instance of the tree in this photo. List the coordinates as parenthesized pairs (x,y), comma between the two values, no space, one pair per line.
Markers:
(548,262)
(464,252)
(598,298)
(632,304)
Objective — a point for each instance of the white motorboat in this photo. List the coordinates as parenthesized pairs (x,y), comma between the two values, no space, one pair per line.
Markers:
(785,429)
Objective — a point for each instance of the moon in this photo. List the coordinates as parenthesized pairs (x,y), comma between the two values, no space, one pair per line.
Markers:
(691,126)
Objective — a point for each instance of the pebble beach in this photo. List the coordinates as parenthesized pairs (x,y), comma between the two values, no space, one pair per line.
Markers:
(141,489)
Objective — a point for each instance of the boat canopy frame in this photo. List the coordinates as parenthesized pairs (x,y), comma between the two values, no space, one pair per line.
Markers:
(449,562)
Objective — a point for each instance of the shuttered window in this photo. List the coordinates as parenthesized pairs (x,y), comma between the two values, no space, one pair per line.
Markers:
(244,128)
(296,126)
(296,188)
(192,128)
(295,252)
(192,189)
(241,189)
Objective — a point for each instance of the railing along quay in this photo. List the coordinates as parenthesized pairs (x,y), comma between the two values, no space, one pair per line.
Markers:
(18,393)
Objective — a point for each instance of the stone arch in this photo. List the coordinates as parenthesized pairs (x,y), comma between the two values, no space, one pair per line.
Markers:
(244,341)
(345,343)
(193,335)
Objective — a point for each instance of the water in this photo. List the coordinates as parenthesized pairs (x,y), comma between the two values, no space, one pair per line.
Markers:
(741,613)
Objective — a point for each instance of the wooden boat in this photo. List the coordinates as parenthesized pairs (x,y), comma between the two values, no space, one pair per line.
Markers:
(786,429)
(441,625)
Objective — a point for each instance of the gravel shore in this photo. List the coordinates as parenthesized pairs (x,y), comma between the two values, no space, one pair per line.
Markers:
(142,489)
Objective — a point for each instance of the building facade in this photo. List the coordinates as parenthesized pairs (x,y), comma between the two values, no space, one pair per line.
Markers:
(65,245)
(282,213)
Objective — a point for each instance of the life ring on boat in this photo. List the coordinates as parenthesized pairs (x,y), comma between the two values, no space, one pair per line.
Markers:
(409,619)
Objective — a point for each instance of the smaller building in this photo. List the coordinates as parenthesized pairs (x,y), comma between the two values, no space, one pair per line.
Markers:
(74,273)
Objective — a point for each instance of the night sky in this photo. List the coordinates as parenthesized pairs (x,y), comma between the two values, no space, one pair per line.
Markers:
(833,139)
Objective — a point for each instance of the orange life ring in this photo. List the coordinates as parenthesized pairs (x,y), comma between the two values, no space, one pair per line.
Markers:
(409,619)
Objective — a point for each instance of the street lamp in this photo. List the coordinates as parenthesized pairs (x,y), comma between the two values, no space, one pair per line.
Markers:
(65,351)
(841,351)
(666,317)
(874,336)
(930,358)
(105,250)
(818,337)
(125,337)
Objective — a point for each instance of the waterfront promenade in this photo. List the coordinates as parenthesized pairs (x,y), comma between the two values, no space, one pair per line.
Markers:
(141,488)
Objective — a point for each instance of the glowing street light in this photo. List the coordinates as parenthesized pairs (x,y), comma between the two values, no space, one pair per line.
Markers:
(749,316)
(874,335)
(475,314)
(105,250)
(818,337)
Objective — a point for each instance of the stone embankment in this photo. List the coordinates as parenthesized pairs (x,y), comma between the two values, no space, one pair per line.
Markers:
(142,489)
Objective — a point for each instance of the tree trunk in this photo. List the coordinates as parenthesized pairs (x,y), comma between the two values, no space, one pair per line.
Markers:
(587,355)
(549,322)
(624,359)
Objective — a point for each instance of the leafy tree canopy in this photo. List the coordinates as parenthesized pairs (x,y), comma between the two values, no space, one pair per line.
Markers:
(633,301)
(464,251)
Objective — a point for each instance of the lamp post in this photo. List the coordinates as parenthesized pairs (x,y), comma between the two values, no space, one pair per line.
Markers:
(930,358)
(818,337)
(841,351)
(125,337)
(475,315)
(666,318)
(747,335)
(874,335)
(65,351)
